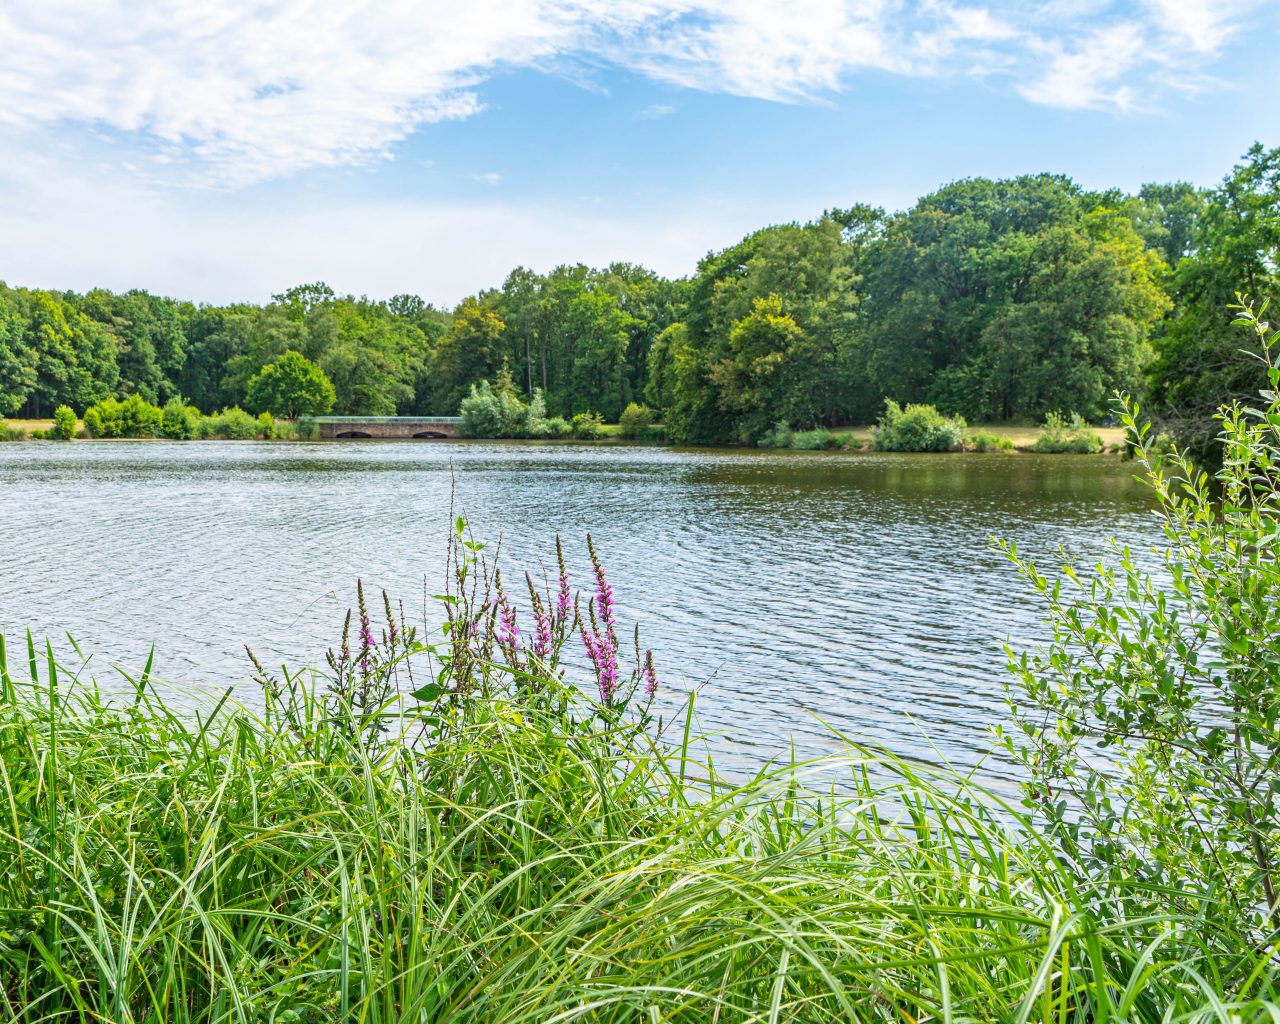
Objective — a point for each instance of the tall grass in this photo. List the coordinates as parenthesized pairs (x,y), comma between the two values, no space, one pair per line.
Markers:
(457,833)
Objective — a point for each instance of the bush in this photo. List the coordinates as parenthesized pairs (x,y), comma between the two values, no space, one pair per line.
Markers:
(64,423)
(266,426)
(179,420)
(778,436)
(815,440)
(558,426)
(1067,436)
(1175,677)
(10,433)
(233,424)
(634,419)
(656,432)
(984,441)
(132,417)
(588,426)
(489,413)
(917,428)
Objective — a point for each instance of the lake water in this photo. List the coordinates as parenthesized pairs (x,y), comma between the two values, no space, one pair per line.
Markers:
(792,589)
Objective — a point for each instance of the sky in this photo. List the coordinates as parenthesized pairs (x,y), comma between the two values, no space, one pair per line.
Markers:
(224,151)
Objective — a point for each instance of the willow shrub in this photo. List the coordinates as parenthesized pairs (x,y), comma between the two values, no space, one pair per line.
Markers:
(916,428)
(1067,435)
(454,831)
(1150,725)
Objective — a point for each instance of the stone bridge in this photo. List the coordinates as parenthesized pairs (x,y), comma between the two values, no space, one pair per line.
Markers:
(387,427)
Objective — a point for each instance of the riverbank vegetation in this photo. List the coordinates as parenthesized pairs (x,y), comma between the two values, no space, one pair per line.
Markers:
(995,301)
(482,825)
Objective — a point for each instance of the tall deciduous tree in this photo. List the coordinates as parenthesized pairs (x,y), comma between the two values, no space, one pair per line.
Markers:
(290,386)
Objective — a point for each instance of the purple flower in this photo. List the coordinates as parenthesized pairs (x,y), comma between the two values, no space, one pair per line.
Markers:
(508,631)
(650,676)
(604,659)
(542,633)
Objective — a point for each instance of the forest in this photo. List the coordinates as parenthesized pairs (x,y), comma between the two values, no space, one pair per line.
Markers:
(995,300)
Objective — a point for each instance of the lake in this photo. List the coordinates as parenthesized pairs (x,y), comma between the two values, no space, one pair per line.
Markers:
(792,589)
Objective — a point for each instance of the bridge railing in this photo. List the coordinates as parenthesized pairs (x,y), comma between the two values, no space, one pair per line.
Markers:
(379,419)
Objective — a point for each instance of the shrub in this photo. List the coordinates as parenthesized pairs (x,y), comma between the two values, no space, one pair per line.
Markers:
(489,413)
(917,428)
(10,433)
(179,420)
(984,441)
(536,423)
(1175,676)
(653,432)
(266,426)
(634,419)
(132,417)
(815,440)
(1067,436)
(233,424)
(588,426)
(558,426)
(778,436)
(64,423)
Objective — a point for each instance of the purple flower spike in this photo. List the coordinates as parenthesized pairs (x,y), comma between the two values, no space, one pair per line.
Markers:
(542,634)
(650,676)
(508,631)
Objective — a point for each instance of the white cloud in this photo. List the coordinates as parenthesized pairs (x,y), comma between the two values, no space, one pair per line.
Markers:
(487,177)
(231,92)
(656,110)
(219,247)
(1091,74)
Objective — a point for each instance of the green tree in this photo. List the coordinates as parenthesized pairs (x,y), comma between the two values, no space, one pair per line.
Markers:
(1199,365)
(18,360)
(291,386)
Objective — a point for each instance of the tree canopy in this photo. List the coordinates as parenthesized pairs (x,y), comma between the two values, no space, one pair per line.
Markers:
(991,299)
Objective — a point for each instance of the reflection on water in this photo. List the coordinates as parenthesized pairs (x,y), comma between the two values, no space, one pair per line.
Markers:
(794,589)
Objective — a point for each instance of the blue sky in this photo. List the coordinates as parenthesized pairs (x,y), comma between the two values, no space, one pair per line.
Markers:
(226,150)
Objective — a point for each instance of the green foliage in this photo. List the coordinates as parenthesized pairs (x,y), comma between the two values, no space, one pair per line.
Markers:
(656,432)
(1233,247)
(489,413)
(634,419)
(290,386)
(1070,436)
(451,832)
(558,426)
(64,423)
(917,428)
(133,417)
(179,421)
(266,426)
(1150,724)
(1004,299)
(815,440)
(8,433)
(587,426)
(782,436)
(233,424)
(985,441)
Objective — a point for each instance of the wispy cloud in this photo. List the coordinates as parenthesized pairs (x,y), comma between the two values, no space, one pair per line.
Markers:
(487,177)
(656,110)
(230,92)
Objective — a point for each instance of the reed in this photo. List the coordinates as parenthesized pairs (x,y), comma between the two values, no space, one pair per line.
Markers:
(458,832)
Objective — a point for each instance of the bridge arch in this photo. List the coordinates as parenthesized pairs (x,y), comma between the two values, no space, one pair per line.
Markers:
(352,433)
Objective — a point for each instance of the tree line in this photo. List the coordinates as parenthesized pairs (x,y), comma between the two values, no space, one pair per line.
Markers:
(992,299)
